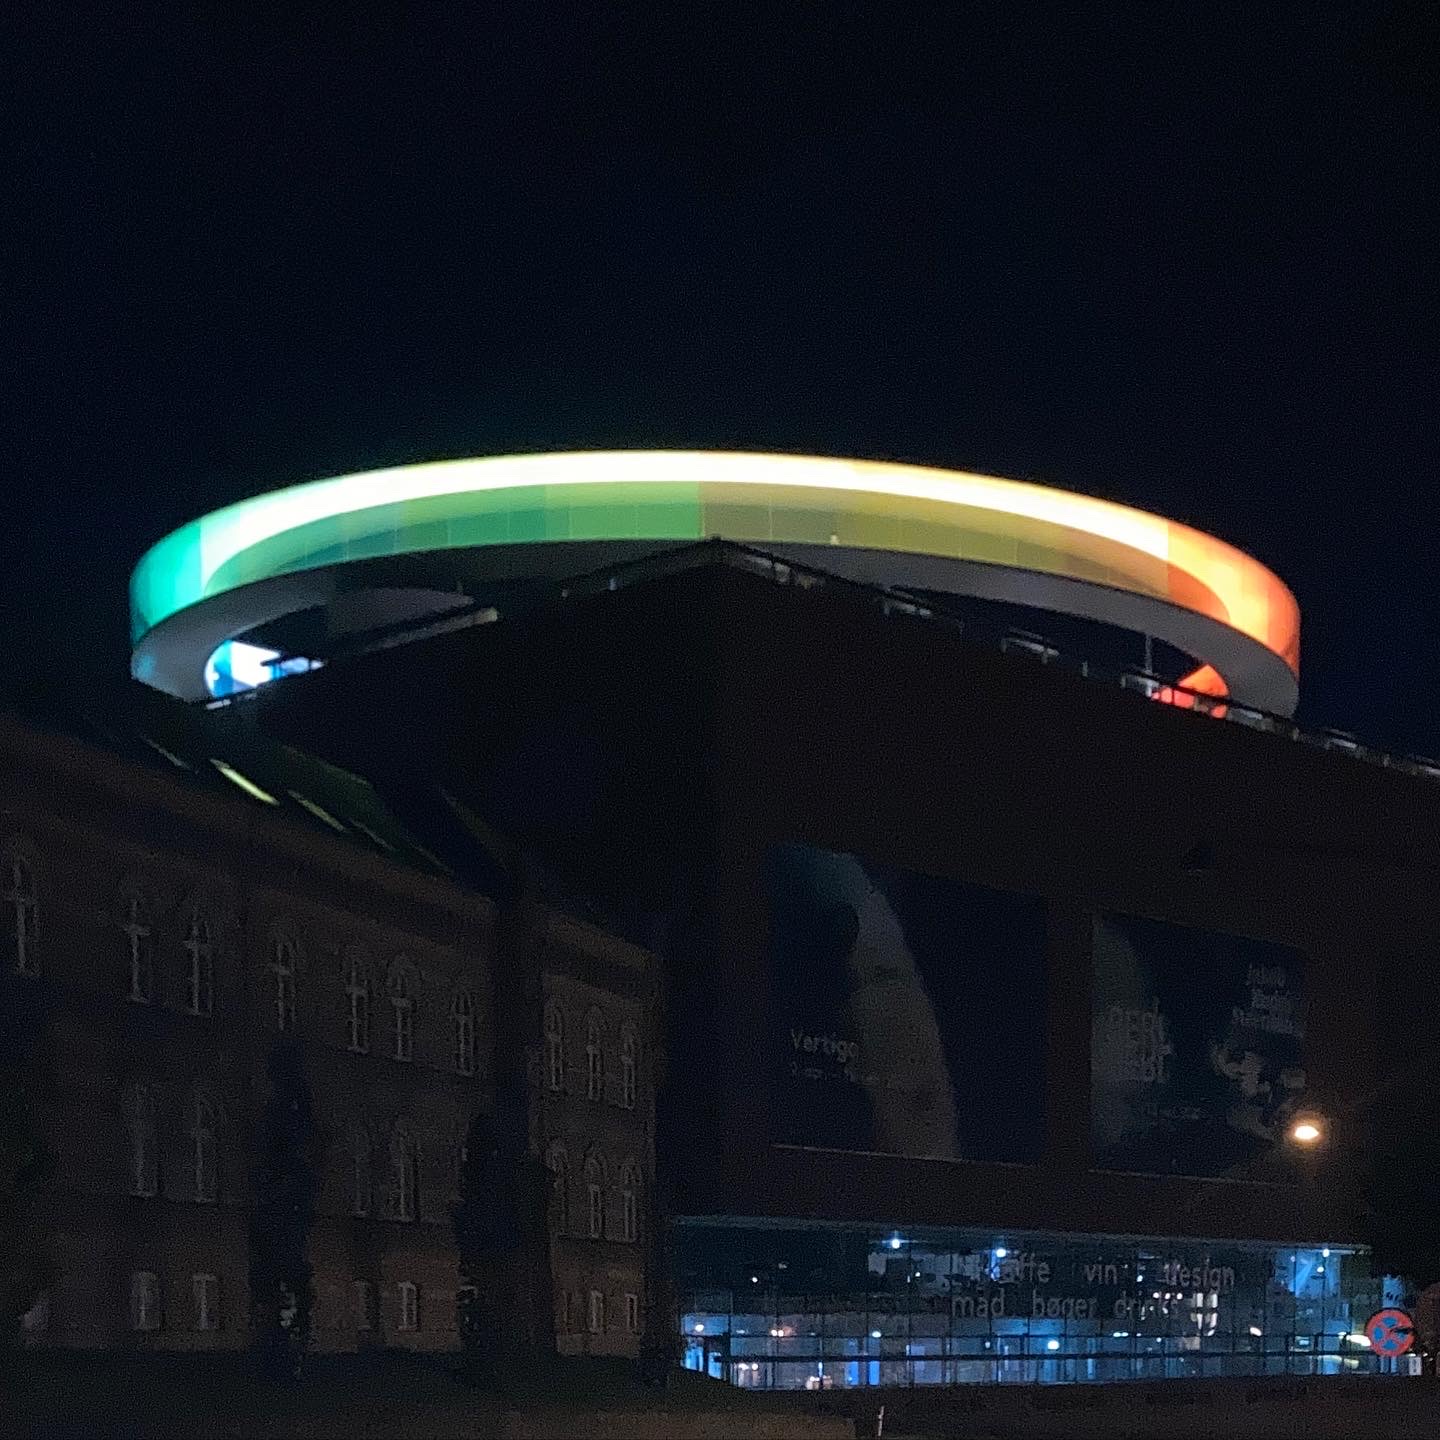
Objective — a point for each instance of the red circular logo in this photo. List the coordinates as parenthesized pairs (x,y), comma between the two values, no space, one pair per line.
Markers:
(1391,1332)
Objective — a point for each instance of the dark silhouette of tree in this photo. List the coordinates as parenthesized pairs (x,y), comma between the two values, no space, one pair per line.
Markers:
(1405,1228)
(658,1345)
(1403,1193)
(1406,1222)
(1394,1131)
(477,1222)
(522,1183)
(281,1293)
(26,1163)
(506,1300)
(495,1241)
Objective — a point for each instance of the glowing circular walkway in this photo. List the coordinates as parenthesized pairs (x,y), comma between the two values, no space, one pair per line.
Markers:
(531,516)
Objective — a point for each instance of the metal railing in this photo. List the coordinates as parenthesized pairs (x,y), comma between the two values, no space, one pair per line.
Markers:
(1042,650)
(891,602)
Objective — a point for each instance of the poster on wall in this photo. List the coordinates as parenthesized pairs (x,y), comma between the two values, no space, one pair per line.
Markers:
(909,1010)
(1196,1047)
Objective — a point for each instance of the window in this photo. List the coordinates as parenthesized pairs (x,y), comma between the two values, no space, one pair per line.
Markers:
(554,1047)
(144,1148)
(409,1305)
(144,1300)
(139,952)
(402,1175)
(462,1018)
(205,1292)
(595,1197)
(632,1312)
(363,1293)
(357,992)
(200,980)
(359,1170)
(558,1165)
(466,1298)
(630,1203)
(206,1166)
(627,1068)
(20,914)
(596,1317)
(402,1005)
(594,1058)
(282,971)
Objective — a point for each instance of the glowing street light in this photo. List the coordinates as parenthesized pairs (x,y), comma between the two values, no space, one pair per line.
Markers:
(1306,1131)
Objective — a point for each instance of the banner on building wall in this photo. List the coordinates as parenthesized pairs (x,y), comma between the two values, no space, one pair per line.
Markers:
(909,1010)
(1196,1047)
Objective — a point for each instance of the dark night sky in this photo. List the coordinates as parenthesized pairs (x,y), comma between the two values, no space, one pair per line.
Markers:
(1176,255)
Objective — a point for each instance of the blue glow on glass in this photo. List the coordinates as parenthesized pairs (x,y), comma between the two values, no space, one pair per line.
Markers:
(236,666)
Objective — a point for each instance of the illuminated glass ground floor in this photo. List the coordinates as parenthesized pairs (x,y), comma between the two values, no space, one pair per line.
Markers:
(832,1307)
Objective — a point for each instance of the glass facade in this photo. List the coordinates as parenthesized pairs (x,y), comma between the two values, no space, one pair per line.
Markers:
(833,1307)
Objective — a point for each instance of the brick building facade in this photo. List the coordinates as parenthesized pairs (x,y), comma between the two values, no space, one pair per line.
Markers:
(596,1132)
(175,919)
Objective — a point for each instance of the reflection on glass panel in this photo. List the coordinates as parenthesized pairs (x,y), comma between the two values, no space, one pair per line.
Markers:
(847,1322)
(833,1306)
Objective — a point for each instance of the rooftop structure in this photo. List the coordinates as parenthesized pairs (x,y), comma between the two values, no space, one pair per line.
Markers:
(422,540)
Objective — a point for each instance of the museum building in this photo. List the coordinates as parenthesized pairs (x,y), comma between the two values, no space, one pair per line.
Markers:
(1030,974)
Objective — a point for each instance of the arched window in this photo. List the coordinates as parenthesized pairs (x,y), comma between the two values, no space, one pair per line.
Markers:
(630,1202)
(282,975)
(402,1174)
(144,1300)
(21,913)
(594,1057)
(357,1018)
(595,1196)
(200,979)
(402,1009)
(144,1176)
(139,950)
(627,1067)
(207,1169)
(558,1165)
(462,1019)
(554,1047)
(409,1305)
(205,1300)
(359,1158)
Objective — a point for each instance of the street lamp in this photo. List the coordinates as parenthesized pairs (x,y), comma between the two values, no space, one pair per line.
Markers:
(1307,1130)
